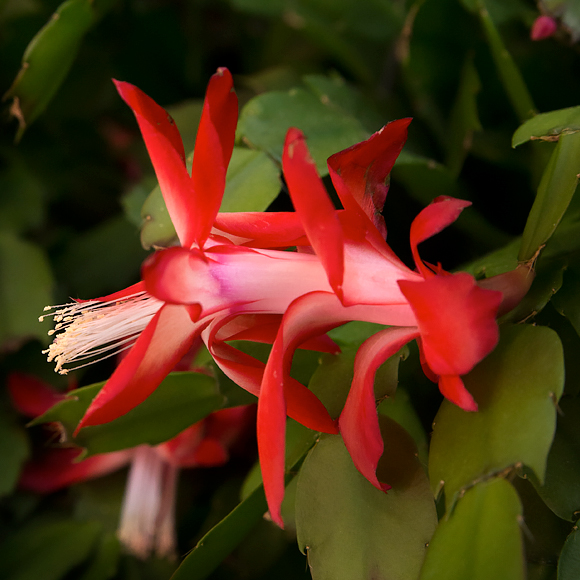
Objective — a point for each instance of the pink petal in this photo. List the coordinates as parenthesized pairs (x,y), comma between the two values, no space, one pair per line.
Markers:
(31,396)
(263,230)
(57,468)
(160,346)
(213,149)
(456,319)
(359,173)
(167,156)
(316,211)
(358,422)
(442,212)
(179,276)
(452,388)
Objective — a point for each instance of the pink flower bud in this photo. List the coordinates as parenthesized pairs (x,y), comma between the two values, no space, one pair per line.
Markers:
(543,27)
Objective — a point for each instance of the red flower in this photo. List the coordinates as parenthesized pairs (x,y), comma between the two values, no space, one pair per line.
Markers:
(453,318)
(147,521)
(214,285)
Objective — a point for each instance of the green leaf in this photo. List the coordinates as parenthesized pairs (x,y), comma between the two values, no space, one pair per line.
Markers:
(47,549)
(548,126)
(49,56)
(509,73)
(265,120)
(569,563)
(497,262)
(547,282)
(252,184)
(515,388)
(335,90)
(25,289)
(252,181)
(332,379)
(567,299)
(561,487)
(399,408)
(215,546)
(14,450)
(464,118)
(180,400)
(224,537)
(480,539)
(554,194)
(339,513)
(105,562)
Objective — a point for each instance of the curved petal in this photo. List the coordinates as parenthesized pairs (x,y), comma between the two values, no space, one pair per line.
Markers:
(264,328)
(316,211)
(57,468)
(167,156)
(247,372)
(160,346)
(213,149)
(180,276)
(453,389)
(31,396)
(456,319)
(358,422)
(442,212)
(263,230)
(309,315)
(359,173)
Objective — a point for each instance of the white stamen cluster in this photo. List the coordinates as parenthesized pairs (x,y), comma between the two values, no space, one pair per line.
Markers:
(94,330)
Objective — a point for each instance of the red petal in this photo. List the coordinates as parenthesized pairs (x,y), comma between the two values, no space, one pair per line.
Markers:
(452,388)
(166,152)
(456,319)
(314,207)
(57,468)
(358,421)
(442,212)
(158,349)
(359,173)
(213,149)
(248,372)
(263,230)
(307,316)
(31,396)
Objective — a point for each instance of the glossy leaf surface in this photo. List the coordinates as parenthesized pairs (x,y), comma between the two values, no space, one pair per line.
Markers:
(554,194)
(569,563)
(180,400)
(548,126)
(339,513)
(515,387)
(480,539)
(265,120)
(561,487)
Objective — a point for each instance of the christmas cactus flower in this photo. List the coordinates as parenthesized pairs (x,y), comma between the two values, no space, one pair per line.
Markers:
(450,315)
(209,286)
(147,522)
